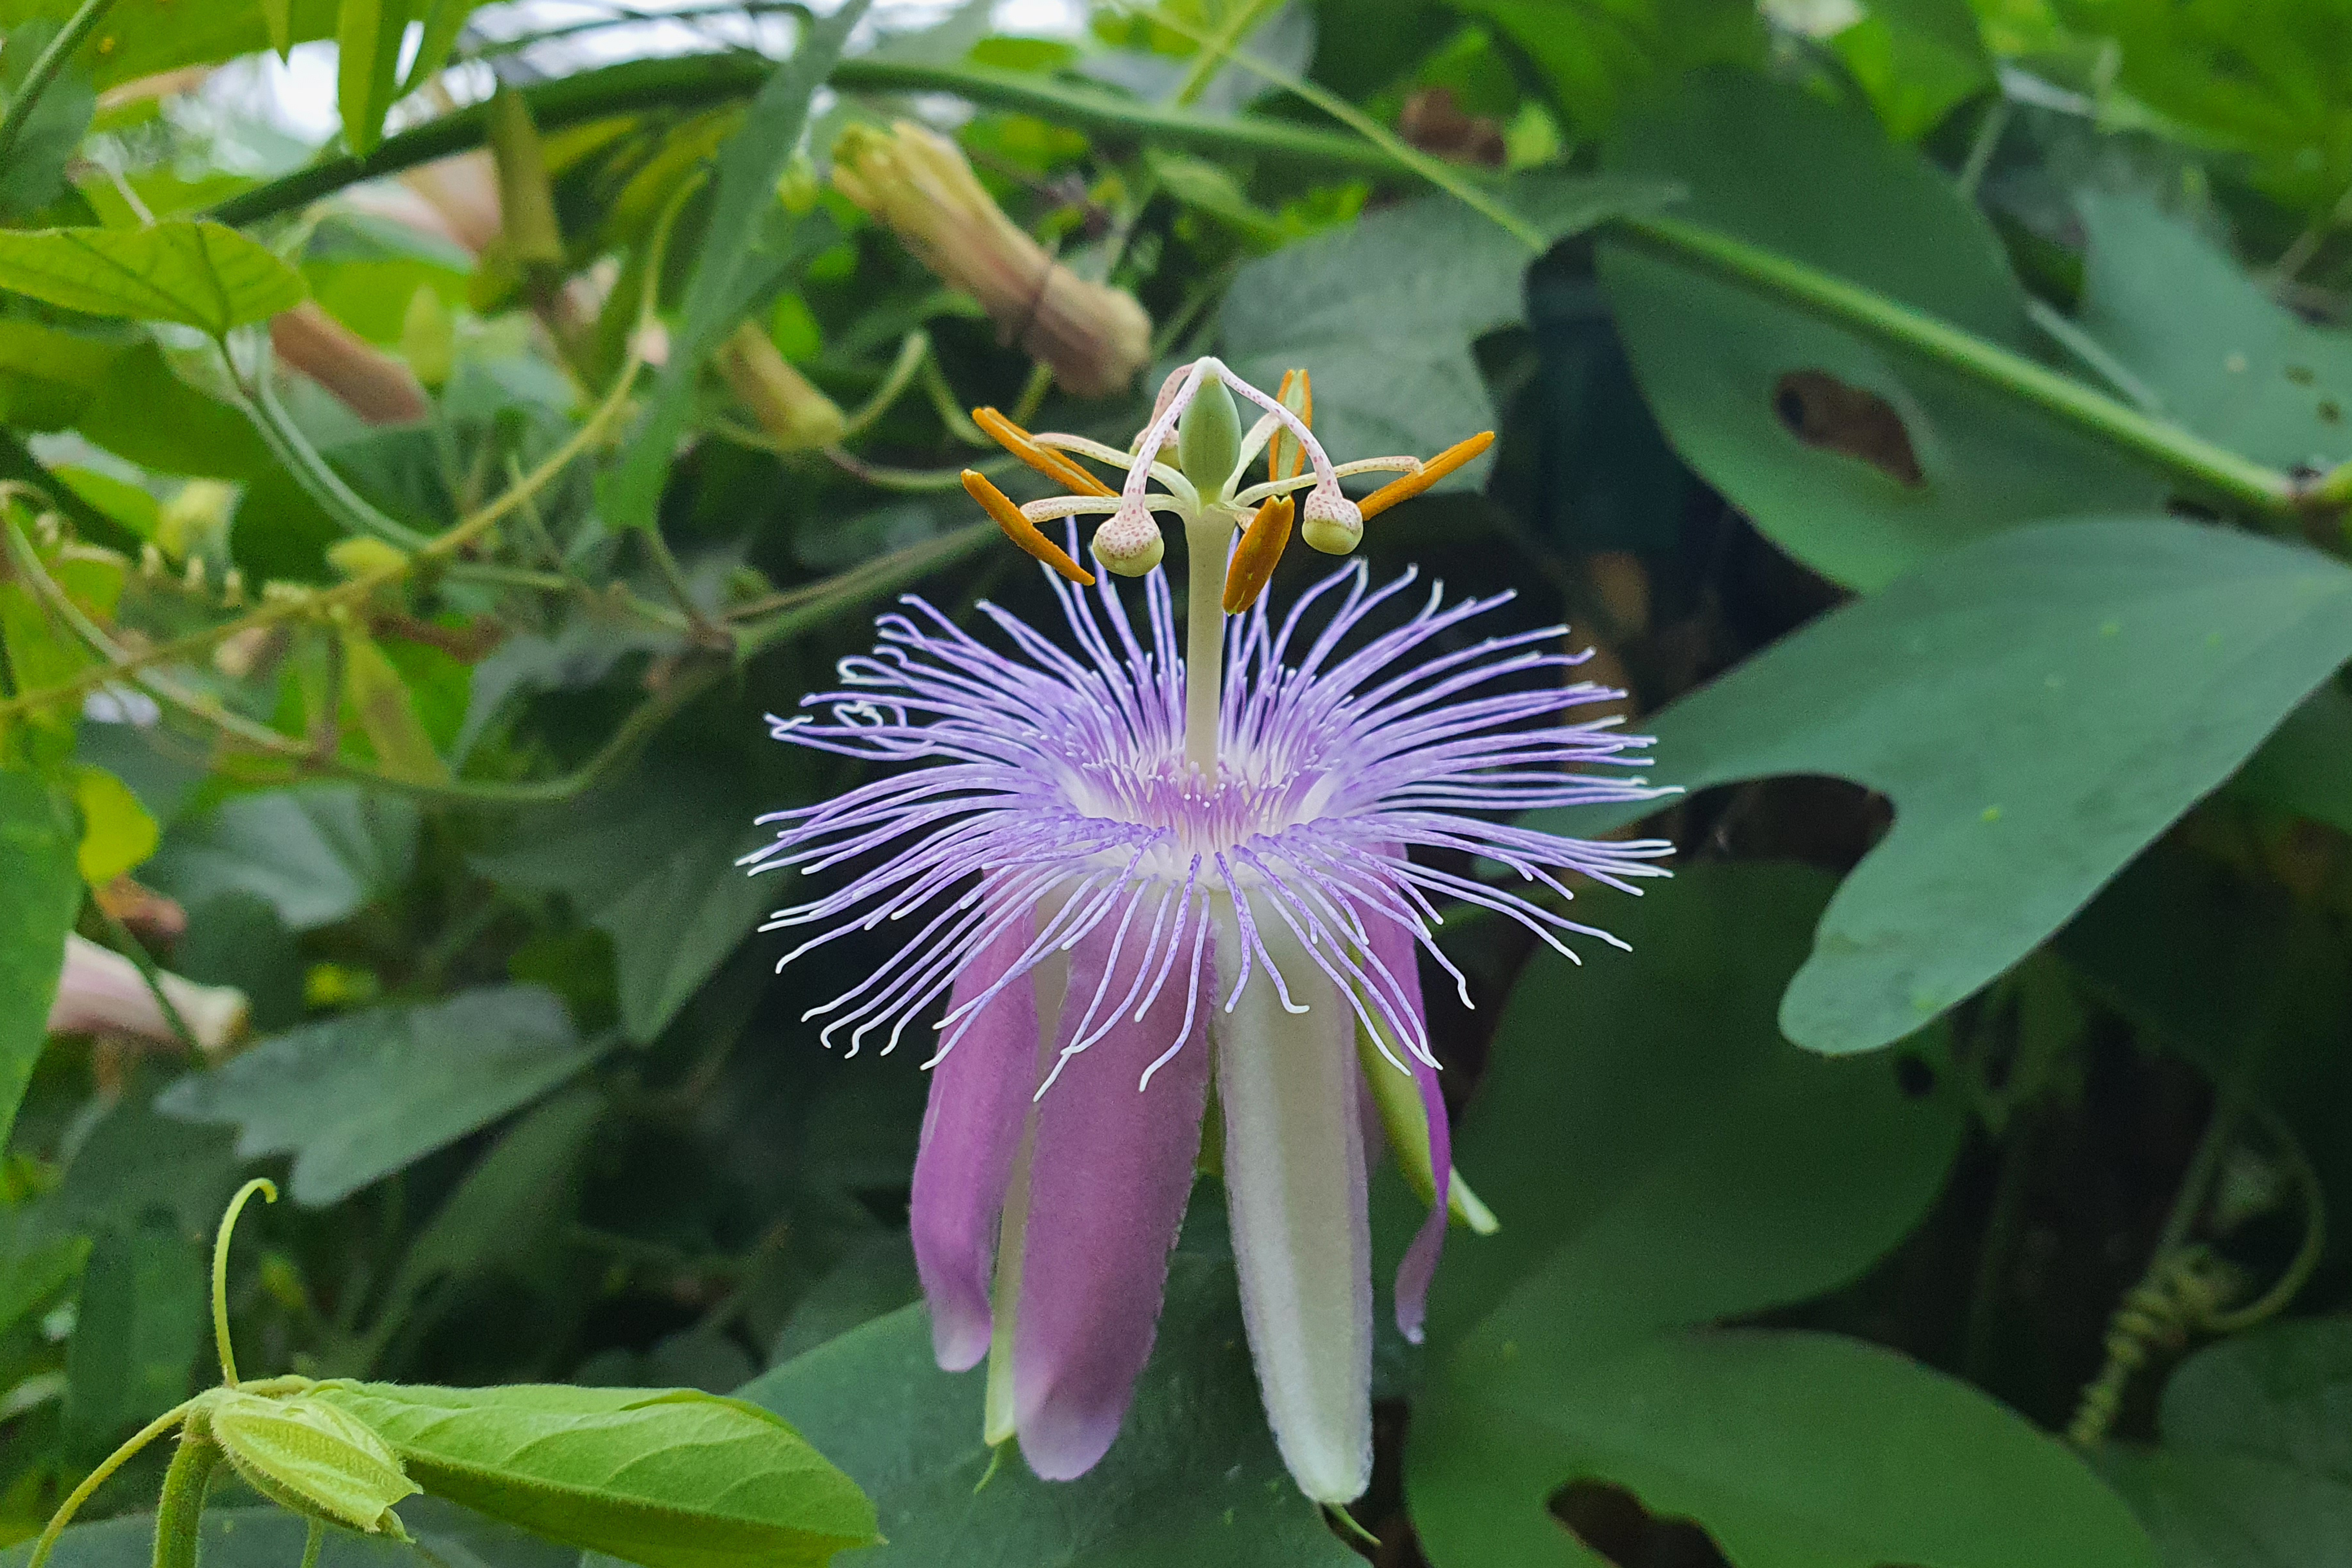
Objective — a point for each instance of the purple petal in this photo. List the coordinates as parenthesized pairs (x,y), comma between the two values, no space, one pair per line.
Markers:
(1294,1176)
(1108,1181)
(972,1129)
(1393,947)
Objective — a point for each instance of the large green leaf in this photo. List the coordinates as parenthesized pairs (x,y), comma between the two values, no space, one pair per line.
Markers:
(1788,1450)
(2230,1511)
(1917,59)
(1657,1153)
(318,853)
(199,274)
(358,1096)
(368,35)
(2039,706)
(669,1478)
(749,242)
(140,37)
(37,843)
(2215,352)
(2283,1393)
(651,862)
(132,1164)
(1194,1478)
(261,1537)
(137,1336)
(1383,313)
(1600,54)
(1854,459)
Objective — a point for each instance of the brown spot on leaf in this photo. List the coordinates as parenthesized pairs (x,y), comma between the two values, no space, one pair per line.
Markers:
(1611,1521)
(1822,411)
(2299,374)
(1433,121)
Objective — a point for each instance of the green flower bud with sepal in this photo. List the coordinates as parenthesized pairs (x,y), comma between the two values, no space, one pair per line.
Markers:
(311,1458)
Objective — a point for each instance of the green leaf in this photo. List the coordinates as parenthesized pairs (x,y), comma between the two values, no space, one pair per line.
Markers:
(379,698)
(2228,1511)
(2305,767)
(141,37)
(650,862)
(199,274)
(1788,1450)
(270,1538)
(117,833)
(1917,61)
(318,853)
(33,1267)
(2212,349)
(36,172)
(38,844)
(144,411)
(311,1456)
(745,250)
(1657,1155)
(668,1478)
(2040,705)
(1382,314)
(368,35)
(1854,459)
(1194,1478)
(278,15)
(133,1163)
(358,1096)
(1599,56)
(136,1340)
(2283,1393)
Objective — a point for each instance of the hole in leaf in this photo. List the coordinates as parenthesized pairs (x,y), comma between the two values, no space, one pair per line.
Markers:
(1822,411)
(1611,1521)
(1915,1077)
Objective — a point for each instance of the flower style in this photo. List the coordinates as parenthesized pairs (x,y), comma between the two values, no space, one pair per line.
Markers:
(1127,871)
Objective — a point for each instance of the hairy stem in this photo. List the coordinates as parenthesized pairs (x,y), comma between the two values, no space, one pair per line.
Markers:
(180,1513)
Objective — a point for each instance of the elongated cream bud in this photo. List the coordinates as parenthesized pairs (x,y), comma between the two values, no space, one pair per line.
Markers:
(789,408)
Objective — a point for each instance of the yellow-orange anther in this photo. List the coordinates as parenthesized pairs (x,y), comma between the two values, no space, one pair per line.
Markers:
(1260,548)
(1436,468)
(1021,531)
(1284,456)
(1044,460)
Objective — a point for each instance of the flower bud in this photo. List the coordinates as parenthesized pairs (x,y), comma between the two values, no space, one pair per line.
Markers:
(103,993)
(1209,436)
(1329,521)
(788,407)
(362,377)
(196,520)
(916,184)
(1129,543)
(428,337)
(312,1457)
(360,556)
(529,234)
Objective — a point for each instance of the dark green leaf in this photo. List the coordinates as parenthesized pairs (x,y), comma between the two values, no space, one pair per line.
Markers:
(651,862)
(132,1163)
(318,853)
(199,274)
(1599,56)
(1194,1478)
(2282,1394)
(1648,1096)
(36,172)
(1851,457)
(1789,1451)
(136,1340)
(2040,705)
(666,1479)
(2211,349)
(2306,766)
(358,1097)
(44,892)
(270,1538)
(749,241)
(1384,312)
(2212,1510)
(1918,60)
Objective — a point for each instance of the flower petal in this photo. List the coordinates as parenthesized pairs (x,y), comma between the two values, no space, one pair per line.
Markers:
(103,993)
(1392,947)
(1295,1184)
(971,1128)
(1108,1182)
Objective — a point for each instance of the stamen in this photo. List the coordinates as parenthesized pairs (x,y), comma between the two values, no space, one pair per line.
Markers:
(1021,531)
(1260,548)
(1284,457)
(1436,468)
(1050,463)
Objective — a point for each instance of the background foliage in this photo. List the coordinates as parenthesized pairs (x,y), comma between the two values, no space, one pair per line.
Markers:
(1934,414)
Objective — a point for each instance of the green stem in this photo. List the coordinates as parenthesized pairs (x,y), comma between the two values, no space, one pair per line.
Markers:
(692,81)
(1204,68)
(314,473)
(268,1191)
(46,67)
(101,1476)
(2218,473)
(132,949)
(180,1514)
(914,352)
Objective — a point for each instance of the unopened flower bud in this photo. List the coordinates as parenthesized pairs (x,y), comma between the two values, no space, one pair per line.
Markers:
(916,181)
(428,337)
(103,993)
(1329,521)
(194,520)
(528,235)
(360,557)
(312,1457)
(793,412)
(1128,543)
(362,377)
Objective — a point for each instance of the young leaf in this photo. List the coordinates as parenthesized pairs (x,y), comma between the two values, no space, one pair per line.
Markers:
(379,698)
(42,893)
(665,1478)
(117,833)
(358,1096)
(2040,705)
(199,274)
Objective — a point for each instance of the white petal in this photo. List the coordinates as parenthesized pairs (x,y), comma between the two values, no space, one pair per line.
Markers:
(1294,1160)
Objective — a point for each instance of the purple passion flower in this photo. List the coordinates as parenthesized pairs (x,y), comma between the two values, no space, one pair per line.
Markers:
(1130,871)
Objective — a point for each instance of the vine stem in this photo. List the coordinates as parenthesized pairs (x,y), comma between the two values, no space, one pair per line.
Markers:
(180,1511)
(268,1191)
(46,66)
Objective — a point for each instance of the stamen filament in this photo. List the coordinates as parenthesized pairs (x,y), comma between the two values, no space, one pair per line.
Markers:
(1046,461)
(1436,468)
